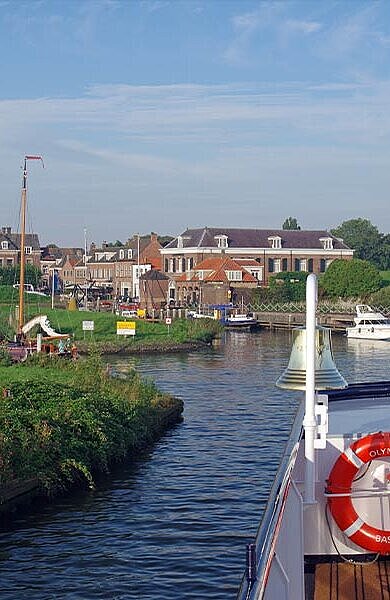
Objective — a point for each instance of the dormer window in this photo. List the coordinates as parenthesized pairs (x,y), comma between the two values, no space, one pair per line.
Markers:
(222,241)
(180,242)
(129,253)
(275,241)
(27,249)
(234,275)
(121,254)
(327,243)
(4,245)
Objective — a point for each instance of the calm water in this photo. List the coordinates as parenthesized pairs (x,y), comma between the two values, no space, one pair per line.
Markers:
(175,524)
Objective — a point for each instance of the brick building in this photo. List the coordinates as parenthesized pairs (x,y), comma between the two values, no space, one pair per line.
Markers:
(10,248)
(269,251)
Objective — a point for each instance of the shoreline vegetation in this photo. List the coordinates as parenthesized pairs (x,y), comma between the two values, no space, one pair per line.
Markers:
(150,336)
(62,423)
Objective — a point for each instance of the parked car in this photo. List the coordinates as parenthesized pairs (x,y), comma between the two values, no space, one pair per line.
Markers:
(131,314)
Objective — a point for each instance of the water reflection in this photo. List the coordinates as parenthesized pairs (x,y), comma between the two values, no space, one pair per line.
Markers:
(174,523)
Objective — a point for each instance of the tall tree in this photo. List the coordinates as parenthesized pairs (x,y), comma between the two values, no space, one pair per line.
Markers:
(363,237)
(291,223)
(346,278)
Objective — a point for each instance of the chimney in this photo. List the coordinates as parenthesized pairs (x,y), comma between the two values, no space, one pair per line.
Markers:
(6,230)
(153,237)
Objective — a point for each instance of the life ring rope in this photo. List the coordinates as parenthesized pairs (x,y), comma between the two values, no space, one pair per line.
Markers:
(339,492)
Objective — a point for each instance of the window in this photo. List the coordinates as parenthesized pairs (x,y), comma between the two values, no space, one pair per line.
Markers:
(284,264)
(222,241)
(166,265)
(310,265)
(190,264)
(121,254)
(129,253)
(27,249)
(183,264)
(234,275)
(10,262)
(270,265)
(327,243)
(4,245)
(275,241)
(277,265)
(303,264)
(322,265)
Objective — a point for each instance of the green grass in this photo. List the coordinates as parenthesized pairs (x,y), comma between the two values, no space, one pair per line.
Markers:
(385,277)
(147,333)
(63,421)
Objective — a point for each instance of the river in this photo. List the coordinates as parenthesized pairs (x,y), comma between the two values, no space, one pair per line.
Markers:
(173,525)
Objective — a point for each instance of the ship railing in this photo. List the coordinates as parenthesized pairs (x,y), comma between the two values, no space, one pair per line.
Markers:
(269,574)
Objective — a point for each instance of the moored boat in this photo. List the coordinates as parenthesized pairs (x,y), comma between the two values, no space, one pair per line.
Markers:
(240,321)
(369,325)
(325,532)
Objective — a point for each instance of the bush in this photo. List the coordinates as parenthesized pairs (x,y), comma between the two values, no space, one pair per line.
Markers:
(381,297)
(63,433)
(350,278)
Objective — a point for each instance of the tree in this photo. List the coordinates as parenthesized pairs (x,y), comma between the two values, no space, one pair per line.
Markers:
(11,275)
(350,278)
(291,223)
(289,285)
(363,237)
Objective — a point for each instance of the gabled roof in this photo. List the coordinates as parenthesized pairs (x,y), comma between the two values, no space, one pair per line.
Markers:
(154,275)
(254,238)
(52,252)
(13,239)
(214,270)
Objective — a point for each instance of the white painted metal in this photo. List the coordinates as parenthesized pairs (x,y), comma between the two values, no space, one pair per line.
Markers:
(369,325)
(309,421)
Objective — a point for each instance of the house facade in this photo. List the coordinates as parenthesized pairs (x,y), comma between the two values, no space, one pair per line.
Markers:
(215,280)
(266,251)
(10,248)
(116,270)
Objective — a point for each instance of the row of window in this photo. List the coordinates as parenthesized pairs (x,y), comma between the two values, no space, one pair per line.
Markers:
(277,265)
(178,265)
(275,242)
(5,246)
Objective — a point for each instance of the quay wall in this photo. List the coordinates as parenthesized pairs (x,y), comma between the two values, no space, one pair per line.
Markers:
(276,320)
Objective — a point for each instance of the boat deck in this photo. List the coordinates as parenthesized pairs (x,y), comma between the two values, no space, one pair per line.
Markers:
(344,581)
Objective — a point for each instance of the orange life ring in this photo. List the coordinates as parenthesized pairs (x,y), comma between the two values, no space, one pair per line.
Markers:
(370,447)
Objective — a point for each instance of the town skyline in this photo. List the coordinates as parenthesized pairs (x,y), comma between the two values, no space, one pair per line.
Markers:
(162,115)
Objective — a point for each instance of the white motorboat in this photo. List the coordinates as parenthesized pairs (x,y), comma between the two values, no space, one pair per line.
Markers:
(325,532)
(369,325)
(240,321)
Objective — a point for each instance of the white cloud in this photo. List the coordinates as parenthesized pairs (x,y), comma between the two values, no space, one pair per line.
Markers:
(183,150)
(305,27)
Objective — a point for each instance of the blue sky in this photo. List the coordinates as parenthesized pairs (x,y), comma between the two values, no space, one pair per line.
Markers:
(157,115)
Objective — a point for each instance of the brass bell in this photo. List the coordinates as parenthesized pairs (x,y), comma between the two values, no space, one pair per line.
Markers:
(327,376)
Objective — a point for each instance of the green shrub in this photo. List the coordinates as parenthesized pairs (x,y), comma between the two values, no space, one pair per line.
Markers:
(62,433)
(350,278)
(381,297)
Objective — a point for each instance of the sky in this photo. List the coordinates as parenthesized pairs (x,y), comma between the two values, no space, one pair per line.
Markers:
(158,115)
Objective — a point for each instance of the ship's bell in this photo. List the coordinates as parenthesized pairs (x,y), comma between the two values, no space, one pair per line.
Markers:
(326,374)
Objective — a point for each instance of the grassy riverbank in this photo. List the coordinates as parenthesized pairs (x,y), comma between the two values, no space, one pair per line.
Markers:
(63,422)
(149,336)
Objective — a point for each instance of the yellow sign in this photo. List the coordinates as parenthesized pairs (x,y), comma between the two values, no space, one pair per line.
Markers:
(125,327)
(141,313)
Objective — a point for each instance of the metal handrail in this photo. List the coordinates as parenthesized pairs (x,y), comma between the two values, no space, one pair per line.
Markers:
(267,533)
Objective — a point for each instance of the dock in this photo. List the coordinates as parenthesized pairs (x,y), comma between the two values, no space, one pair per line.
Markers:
(276,320)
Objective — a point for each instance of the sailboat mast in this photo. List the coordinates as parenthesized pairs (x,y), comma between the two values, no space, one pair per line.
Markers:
(23,241)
